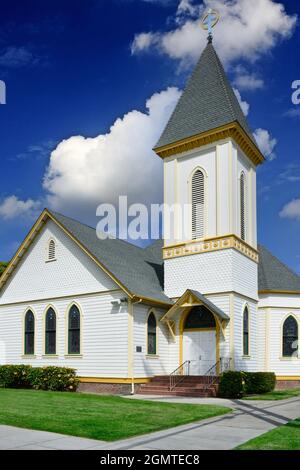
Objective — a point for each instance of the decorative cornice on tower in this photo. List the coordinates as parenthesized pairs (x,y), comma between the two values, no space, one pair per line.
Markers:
(232,130)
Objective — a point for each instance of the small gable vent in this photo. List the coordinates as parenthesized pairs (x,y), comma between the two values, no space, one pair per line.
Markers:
(51,250)
(198,205)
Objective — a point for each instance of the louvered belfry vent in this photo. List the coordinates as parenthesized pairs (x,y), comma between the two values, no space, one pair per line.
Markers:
(51,250)
(242,199)
(198,201)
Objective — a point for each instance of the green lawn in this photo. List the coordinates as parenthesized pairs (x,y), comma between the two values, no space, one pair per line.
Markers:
(276,395)
(283,438)
(98,417)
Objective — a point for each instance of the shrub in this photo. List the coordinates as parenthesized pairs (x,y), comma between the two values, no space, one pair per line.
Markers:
(59,379)
(259,382)
(231,384)
(15,376)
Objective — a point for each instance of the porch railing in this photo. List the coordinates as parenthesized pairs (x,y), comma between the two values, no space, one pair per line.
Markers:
(179,374)
(222,365)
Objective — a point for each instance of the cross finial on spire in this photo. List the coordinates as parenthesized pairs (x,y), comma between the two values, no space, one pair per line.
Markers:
(209,21)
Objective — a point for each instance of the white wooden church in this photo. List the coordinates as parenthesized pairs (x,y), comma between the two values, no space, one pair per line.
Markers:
(121,315)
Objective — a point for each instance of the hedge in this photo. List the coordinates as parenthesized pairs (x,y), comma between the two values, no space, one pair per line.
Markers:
(60,379)
(236,384)
(259,382)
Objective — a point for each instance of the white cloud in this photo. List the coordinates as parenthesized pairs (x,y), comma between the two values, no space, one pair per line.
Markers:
(85,172)
(243,104)
(247,81)
(12,207)
(240,34)
(293,113)
(291,210)
(266,143)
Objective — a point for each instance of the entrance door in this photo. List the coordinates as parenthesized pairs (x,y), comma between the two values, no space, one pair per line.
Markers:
(199,347)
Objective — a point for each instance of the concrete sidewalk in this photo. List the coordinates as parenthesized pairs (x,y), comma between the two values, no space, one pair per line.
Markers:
(248,420)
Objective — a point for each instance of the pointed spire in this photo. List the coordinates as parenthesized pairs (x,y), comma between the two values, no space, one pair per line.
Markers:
(208,102)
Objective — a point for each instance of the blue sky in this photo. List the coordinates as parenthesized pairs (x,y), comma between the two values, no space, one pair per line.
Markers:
(78,67)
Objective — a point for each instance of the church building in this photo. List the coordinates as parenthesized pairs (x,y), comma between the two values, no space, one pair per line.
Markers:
(187,307)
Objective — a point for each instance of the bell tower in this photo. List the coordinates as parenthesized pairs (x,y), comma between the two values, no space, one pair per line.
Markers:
(210,158)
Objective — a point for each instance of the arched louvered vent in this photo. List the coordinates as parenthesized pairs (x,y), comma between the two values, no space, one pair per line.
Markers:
(198,201)
(243,207)
(51,250)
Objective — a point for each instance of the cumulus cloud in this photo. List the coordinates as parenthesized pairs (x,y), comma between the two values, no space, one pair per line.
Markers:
(239,35)
(243,104)
(291,210)
(12,207)
(245,80)
(266,143)
(88,171)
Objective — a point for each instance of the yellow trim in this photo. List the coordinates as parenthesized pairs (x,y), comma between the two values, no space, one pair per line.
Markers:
(231,326)
(23,333)
(294,292)
(130,342)
(288,377)
(267,339)
(44,331)
(110,380)
(194,247)
(232,130)
(80,354)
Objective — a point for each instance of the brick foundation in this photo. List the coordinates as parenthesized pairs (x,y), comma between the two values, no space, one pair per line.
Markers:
(107,388)
(287,384)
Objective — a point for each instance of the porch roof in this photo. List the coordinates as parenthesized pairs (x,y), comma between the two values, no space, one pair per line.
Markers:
(192,298)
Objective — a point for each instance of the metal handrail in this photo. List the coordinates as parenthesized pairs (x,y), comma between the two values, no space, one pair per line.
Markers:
(179,374)
(222,365)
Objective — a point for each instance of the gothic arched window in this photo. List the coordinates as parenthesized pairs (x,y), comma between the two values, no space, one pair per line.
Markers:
(246,332)
(290,337)
(50,332)
(74,330)
(29,333)
(198,205)
(151,326)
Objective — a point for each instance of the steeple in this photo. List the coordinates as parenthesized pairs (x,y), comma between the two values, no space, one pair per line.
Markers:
(208,103)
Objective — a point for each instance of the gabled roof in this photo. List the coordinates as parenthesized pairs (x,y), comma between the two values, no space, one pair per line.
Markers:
(273,275)
(137,271)
(208,102)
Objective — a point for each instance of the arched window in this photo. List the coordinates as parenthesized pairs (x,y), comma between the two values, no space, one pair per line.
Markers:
(198,205)
(243,207)
(50,332)
(290,337)
(74,330)
(51,250)
(199,317)
(151,334)
(29,333)
(246,332)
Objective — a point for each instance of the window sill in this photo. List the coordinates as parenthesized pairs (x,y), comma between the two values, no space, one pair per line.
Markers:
(289,358)
(152,356)
(29,356)
(50,260)
(73,356)
(246,357)
(50,356)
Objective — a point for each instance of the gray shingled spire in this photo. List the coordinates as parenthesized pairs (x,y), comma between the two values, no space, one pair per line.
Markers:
(207,102)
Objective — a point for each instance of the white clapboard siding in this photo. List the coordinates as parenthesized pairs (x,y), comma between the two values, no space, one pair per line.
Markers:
(104,335)
(72,271)
(241,363)
(143,365)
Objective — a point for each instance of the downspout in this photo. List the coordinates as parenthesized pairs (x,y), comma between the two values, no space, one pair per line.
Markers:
(131,303)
